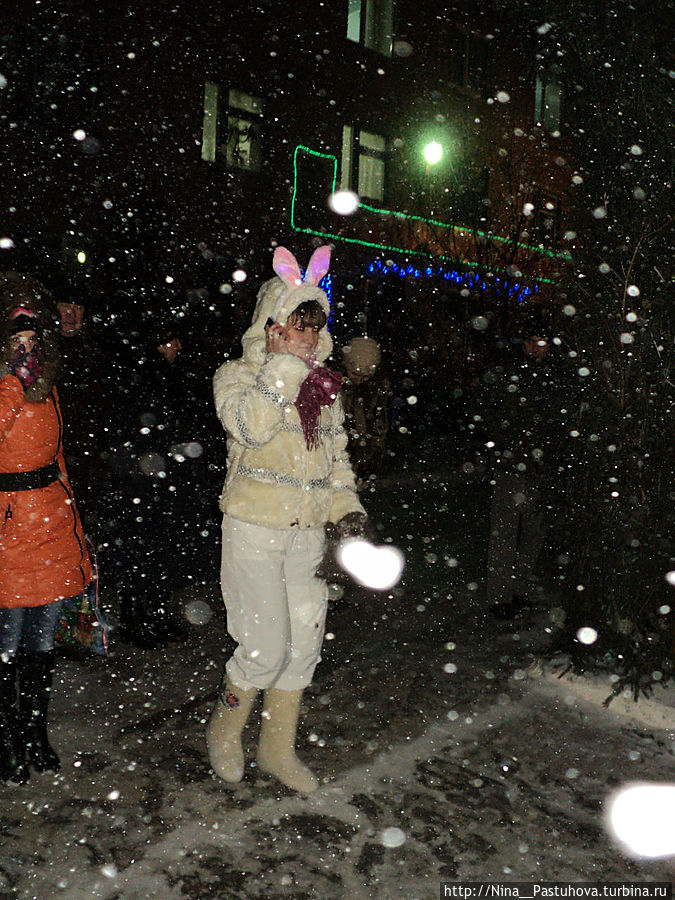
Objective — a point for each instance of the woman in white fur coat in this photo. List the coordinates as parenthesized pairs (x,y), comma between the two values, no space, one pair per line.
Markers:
(288,475)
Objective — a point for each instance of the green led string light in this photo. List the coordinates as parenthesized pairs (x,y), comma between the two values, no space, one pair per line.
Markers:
(385,212)
(541,251)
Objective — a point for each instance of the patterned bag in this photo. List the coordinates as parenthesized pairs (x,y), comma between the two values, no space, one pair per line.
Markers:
(82,625)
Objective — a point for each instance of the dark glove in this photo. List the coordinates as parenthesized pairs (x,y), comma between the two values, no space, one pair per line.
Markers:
(27,367)
(352,525)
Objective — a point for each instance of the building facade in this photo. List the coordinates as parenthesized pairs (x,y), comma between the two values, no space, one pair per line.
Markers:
(155,150)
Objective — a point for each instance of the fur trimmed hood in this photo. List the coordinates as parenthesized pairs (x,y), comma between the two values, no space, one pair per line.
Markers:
(281,296)
(17,289)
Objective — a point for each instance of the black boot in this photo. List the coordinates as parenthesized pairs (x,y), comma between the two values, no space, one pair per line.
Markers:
(12,753)
(35,681)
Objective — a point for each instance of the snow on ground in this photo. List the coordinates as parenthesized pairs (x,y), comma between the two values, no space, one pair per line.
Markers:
(443,758)
(508,786)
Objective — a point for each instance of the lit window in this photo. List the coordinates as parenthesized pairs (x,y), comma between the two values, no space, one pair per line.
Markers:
(244,117)
(371,23)
(210,122)
(547,101)
(347,157)
(363,164)
(371,165)
(241,145)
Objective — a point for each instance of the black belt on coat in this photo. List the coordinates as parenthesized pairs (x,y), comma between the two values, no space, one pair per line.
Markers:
(29,481)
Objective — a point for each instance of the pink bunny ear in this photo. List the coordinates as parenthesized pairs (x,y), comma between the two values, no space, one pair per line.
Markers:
(318,265)
(286,266)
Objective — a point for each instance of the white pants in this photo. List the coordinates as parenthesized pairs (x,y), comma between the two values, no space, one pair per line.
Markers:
(276,606)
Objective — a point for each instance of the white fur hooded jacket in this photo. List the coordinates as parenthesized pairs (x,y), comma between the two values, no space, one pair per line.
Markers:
(273,479)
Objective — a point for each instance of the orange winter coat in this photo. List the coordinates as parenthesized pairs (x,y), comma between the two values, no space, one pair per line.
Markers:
(42,548)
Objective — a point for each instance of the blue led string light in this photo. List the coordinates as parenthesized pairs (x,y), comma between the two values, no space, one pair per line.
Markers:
(469,280)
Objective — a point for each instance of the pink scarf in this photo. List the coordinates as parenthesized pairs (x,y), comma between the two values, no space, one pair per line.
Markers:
(320,388)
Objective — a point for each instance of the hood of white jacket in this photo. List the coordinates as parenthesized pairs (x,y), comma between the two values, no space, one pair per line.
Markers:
(276,301)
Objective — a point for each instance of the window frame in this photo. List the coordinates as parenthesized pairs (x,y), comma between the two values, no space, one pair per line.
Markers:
(354,150)
(374,22)
(218,124)
(545,80)
(239,113)
(468,40)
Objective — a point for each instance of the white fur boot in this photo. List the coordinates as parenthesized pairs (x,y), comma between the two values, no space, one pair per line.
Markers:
(223,735)
(276,749)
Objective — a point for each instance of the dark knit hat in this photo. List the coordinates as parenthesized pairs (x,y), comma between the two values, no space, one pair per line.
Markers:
(22,318)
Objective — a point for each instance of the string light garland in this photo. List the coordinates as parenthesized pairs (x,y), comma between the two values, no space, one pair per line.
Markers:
(463,279)
(448,274)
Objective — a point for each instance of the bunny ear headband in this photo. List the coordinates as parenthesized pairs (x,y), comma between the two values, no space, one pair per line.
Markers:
(287,268)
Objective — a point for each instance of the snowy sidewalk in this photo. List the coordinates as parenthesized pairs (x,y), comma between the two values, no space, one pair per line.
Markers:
(507,783)
(445,755)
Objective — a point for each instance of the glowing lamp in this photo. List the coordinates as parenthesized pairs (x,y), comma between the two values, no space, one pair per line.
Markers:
(433,153)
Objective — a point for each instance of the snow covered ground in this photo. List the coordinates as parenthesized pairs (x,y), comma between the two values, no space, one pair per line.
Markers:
(429,776)
(445,755)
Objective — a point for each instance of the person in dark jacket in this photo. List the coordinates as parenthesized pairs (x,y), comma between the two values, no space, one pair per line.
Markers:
(531,407)
(366,397)
(159,519)
(84,396)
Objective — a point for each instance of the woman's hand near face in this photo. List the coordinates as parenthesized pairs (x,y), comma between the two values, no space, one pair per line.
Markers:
(276,339)
(293,338)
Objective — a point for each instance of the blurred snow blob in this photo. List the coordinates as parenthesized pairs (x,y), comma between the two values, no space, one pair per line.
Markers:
(392,837)
(402,49)
(79,134)
(641,817)
(480,323)
(3,82)
(239,275)
(670,577)
(198,612)
(633,290)
(152,464)
(587,635)
(503,97)
(378,568)
(6,243)
(335,592)
(344,203)
(545,28)
(600,212)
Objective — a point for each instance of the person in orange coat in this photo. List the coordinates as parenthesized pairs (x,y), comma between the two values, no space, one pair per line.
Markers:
(43,557)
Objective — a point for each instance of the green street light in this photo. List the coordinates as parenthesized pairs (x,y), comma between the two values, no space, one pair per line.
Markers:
(433,153)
